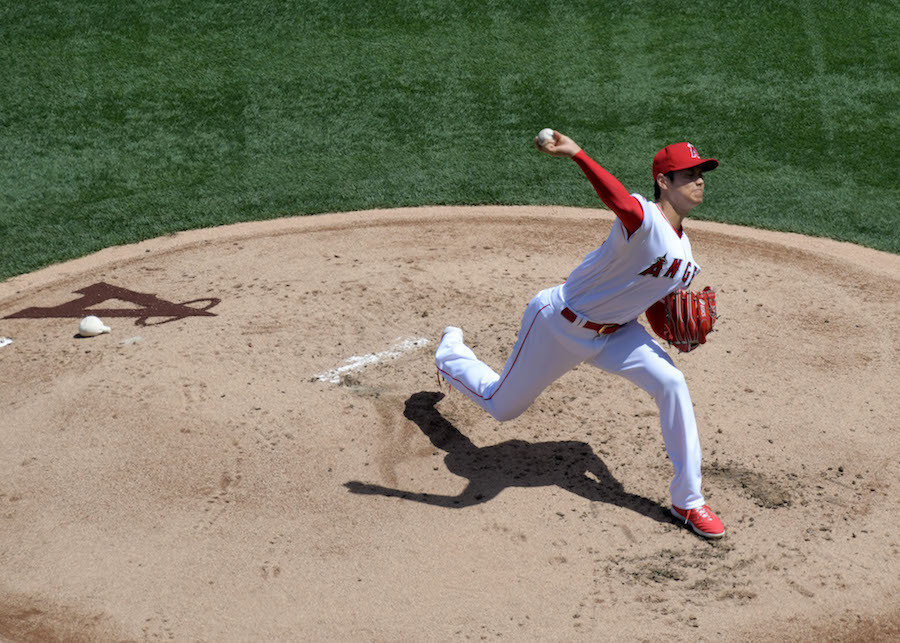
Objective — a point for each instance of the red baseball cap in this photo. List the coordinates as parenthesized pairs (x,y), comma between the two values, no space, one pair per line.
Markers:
(680,156)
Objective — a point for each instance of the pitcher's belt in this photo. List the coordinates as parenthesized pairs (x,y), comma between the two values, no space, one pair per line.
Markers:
(602,329)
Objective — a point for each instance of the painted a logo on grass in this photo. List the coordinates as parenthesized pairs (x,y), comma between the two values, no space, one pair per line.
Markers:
(146,306)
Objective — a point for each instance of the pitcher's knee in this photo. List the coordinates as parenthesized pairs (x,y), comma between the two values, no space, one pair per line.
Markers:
(505,413)
(670,382)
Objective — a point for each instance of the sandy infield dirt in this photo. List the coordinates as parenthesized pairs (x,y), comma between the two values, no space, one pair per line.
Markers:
(280,464)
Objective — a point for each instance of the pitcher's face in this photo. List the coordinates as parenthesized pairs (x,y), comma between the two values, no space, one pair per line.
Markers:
(685,188)
(689,184)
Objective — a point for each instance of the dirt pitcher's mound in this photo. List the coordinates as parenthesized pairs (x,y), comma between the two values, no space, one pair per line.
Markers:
(258,450)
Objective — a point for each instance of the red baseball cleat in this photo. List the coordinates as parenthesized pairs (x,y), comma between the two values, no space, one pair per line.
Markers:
(702,520)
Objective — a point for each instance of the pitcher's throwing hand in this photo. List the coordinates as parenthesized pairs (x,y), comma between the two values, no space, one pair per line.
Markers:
(559,145)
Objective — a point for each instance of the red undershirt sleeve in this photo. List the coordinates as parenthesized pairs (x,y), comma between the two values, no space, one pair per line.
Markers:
(612,193)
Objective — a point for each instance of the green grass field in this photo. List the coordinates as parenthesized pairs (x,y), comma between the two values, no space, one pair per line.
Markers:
(125,121)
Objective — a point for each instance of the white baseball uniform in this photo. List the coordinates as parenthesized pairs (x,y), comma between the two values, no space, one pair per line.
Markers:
(613,285)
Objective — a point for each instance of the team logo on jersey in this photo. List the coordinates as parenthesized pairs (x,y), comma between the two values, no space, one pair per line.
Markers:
(657,266)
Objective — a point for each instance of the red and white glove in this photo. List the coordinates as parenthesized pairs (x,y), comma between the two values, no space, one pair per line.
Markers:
(684,318)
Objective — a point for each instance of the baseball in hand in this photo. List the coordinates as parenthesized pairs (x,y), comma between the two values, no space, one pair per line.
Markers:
(545,136)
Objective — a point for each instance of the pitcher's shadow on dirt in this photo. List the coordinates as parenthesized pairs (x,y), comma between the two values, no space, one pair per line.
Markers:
(515,463)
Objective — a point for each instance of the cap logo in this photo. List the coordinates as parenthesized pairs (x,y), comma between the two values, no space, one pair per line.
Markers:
(694,154)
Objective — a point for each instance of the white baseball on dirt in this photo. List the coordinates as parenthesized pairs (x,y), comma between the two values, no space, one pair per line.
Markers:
(544,136)
(91,326)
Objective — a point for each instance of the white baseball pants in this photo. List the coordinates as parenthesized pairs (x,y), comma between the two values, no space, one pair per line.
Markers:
(548,346)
